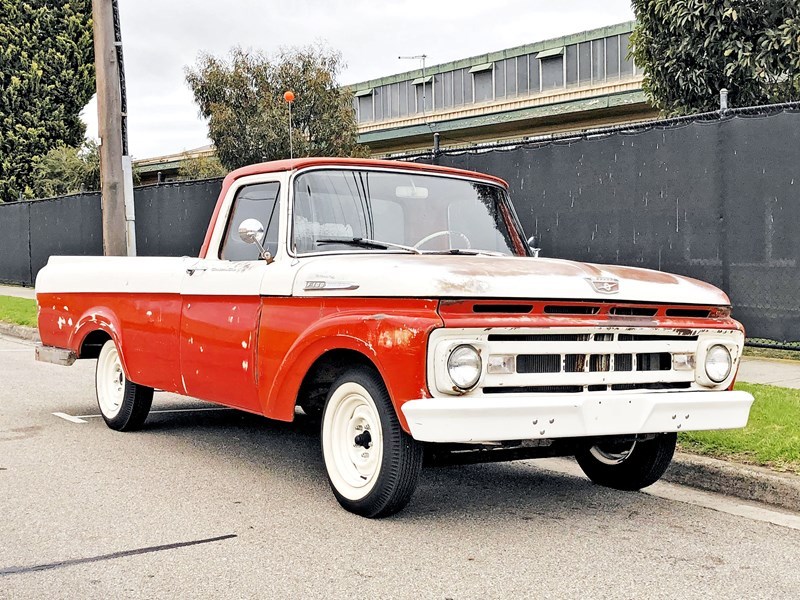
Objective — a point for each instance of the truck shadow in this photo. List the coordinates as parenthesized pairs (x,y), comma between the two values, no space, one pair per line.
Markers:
(517,490)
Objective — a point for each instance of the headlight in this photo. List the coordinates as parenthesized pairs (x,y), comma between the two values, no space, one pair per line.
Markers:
(464,366)
(718,363)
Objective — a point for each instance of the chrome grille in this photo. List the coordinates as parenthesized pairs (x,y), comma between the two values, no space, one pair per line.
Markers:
(589,360)
(576,363)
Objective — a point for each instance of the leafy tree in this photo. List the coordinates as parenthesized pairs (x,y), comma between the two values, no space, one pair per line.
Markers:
(242,98)
(66,170)
(690,49)
(201,167)
(46,78)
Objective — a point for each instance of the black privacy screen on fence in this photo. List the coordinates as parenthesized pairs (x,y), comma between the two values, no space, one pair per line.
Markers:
(718,200)
(171,220)
(15,243)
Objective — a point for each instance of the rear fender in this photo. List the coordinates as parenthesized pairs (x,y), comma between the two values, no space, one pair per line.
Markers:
(98,318)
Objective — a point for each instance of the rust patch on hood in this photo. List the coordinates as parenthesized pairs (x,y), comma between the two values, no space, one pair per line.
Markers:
(637,274)
(513,266)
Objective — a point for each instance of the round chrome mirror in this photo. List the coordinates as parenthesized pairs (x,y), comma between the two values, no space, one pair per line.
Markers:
(532,246)
(251,231)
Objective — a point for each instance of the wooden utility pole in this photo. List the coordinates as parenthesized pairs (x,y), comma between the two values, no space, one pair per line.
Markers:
(109,112)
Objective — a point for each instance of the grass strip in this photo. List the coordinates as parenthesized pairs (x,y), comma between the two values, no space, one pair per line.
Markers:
(771,438)
(772,353)
(19,311)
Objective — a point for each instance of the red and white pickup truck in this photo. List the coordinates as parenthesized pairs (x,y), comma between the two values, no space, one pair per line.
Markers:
(401,305)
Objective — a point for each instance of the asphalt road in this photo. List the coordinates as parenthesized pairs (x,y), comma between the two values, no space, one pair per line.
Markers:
(221,504)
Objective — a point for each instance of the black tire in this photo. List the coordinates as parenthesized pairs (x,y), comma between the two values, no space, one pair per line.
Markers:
(124,405)
(643,466)
(368,477)
(313,412)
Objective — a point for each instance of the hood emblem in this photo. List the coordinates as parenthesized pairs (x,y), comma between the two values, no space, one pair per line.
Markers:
(321,285)
(604,285)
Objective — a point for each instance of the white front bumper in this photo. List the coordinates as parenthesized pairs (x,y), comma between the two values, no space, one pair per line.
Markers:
(496,418)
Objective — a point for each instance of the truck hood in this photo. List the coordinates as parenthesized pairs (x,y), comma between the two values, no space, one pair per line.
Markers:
(459,276)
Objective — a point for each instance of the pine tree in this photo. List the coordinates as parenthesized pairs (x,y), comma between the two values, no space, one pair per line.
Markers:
(46,79)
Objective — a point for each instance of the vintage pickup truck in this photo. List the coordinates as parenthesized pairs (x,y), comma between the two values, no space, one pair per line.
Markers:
(401,305)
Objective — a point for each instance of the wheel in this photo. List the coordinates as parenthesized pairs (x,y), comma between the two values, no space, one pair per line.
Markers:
(437,234)
(628,465)
(373,465)
(123,404)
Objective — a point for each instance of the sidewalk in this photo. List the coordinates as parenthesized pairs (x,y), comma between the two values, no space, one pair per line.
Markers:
(17,291)
(771,371)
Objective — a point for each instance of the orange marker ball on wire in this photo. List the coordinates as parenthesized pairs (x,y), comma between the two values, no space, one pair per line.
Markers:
(288,96)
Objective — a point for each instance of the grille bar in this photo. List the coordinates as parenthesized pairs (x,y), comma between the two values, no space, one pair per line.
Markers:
(539,337)
(638,337)
(587,378)
(576,389)
(570,347)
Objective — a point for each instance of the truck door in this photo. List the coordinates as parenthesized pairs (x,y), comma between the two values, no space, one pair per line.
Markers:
(221,306)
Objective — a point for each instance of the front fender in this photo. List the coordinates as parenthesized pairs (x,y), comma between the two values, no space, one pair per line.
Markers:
(393,339)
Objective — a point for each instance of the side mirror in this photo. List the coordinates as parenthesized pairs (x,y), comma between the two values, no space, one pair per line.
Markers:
(532,244)
(251,231)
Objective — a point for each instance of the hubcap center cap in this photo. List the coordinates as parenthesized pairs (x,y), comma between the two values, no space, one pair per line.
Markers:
(363,439)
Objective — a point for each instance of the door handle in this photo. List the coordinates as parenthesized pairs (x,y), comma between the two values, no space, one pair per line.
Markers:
(191,270)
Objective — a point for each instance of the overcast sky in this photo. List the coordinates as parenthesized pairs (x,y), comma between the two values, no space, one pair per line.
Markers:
(161,37)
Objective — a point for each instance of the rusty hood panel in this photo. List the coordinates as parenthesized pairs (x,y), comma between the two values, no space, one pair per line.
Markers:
(450,276)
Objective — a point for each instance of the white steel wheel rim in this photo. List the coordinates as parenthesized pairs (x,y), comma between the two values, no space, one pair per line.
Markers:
(353,461)
(612,458)
(110,382)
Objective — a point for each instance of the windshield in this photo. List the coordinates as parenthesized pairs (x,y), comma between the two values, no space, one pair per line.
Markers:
(375,211)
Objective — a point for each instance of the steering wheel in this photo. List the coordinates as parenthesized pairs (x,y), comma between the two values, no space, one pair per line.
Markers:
(436,234)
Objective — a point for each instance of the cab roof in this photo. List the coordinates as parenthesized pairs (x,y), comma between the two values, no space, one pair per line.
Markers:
(301,163)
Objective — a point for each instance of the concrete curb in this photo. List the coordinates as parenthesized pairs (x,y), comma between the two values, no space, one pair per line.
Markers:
(735,479)
(731,479)
(20,331)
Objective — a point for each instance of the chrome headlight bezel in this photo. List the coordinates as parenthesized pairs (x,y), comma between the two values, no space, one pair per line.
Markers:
(464,357)
(716,353)
(732,349)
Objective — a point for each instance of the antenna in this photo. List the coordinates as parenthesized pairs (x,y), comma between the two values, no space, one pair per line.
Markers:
(420,57)
(289,97)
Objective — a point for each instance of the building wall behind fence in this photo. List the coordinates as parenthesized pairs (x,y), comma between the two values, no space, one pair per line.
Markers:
(171,220)
(716,200)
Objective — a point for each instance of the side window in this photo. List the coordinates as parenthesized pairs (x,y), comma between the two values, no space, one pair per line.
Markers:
(258,201)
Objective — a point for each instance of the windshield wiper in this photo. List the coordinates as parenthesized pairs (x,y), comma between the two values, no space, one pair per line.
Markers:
(366,243)
(466,252)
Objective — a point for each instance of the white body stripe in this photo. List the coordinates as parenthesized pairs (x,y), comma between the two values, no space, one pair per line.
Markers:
(375,275)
